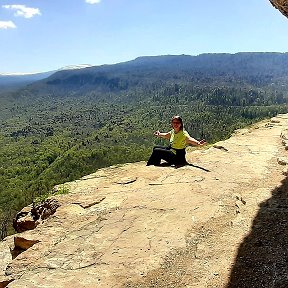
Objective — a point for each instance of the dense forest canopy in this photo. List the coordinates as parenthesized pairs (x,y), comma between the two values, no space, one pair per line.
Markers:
(76,121)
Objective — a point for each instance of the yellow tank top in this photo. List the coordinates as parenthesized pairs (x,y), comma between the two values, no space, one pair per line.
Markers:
(178,140)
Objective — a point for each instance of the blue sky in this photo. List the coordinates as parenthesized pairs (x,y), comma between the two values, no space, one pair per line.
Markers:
(44,35)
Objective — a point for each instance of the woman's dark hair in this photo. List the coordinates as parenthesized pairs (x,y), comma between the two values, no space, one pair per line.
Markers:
(178,118)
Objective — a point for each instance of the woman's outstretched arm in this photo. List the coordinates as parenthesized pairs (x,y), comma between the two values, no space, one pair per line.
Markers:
(192,141)
(162,135)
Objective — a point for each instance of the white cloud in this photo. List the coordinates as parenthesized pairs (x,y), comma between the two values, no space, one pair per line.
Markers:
(7,25)
(92,1)
(23,11)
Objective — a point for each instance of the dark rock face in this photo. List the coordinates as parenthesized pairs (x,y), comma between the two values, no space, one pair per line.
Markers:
(281,5)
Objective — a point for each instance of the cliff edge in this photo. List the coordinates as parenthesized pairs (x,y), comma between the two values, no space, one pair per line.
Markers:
(218,222)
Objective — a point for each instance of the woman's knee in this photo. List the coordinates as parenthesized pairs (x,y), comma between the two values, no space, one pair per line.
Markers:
(158,147)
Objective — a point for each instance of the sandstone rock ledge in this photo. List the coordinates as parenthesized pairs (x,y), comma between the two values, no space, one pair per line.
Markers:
(138,226)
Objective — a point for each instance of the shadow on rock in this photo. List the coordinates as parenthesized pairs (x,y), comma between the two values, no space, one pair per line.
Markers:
(165,164)
(262,259)
(199,167)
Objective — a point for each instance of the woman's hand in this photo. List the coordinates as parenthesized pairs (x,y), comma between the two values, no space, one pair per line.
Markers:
(192,141)
(157,133)
(202,142)
(162,135)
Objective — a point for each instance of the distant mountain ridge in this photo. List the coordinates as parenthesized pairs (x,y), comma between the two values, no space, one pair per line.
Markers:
(250,68)
(255,69)
(10,81)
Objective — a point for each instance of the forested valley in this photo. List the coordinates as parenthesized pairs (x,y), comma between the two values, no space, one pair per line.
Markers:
(74,122)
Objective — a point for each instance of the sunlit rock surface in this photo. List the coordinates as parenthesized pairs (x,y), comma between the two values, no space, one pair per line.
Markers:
(137,226)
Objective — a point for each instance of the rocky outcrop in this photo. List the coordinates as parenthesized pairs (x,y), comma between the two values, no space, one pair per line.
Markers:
(281,5)
(137,226)
(29,217)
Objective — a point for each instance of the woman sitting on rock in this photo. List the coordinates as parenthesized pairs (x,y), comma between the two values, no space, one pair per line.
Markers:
(175,152)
